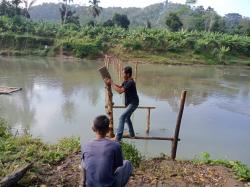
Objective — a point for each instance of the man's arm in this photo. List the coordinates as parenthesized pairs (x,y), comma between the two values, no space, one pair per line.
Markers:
(116,87)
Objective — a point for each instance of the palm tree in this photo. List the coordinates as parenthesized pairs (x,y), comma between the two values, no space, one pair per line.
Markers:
(27,6)
(94,8)
(66,9)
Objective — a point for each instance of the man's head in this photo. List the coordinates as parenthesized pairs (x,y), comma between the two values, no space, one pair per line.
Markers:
(101,125)
(127,72)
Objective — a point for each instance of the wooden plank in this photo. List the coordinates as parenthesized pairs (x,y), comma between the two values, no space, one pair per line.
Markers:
(104,72)
(149,138)
(178,125)
(139,107)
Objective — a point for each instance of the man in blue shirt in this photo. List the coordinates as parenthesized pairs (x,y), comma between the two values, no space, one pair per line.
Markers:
(131,101)
(102,159)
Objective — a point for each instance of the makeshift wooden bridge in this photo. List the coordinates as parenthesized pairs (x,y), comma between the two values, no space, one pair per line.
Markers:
(109,105)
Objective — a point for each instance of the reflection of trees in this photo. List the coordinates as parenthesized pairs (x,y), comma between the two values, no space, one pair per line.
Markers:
(69,76)
(68,110)
(167,82)
(17,108)
(93,95)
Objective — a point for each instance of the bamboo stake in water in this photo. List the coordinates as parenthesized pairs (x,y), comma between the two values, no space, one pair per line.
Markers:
(178,125)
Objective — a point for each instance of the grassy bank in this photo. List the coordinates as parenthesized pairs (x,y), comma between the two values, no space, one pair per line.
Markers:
(150,45)
(16,152)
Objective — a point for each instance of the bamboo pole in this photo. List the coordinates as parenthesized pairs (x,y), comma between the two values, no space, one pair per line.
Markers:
(139,107)
(109,109)
(136,68)
(178,125)
(149,138)
(148,121)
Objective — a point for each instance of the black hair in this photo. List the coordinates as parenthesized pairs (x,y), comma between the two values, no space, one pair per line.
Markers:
(128,70)
(101,124)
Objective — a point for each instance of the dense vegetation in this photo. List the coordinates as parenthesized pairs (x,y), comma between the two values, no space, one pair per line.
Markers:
(19,34)
(203,41)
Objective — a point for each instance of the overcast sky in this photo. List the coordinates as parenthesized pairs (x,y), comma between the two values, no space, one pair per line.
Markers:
(221,6)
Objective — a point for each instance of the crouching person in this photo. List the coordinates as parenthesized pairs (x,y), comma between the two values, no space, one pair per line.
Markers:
(102,159)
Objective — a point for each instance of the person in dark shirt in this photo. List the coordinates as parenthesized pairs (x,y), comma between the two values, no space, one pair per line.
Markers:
(102,159)
(131,101)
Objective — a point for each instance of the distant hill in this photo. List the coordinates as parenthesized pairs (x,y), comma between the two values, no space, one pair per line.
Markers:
(138,16)
(197,18)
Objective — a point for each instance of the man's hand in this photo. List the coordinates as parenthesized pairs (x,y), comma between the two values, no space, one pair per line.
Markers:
(108,81)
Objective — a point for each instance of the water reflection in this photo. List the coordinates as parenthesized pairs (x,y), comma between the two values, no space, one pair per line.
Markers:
(61,97)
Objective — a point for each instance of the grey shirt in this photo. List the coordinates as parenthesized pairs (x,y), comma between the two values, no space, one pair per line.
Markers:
(101,158)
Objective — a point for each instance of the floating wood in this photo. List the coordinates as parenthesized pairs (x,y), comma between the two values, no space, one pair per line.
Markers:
(9,90)
(13,178)
(178,125)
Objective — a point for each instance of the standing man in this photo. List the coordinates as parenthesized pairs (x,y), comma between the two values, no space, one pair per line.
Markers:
(102,159)
(131,101)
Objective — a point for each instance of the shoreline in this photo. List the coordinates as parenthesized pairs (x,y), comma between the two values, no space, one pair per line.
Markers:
(58,164)
(130,60)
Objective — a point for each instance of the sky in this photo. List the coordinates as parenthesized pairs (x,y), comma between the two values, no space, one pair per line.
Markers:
(221,6)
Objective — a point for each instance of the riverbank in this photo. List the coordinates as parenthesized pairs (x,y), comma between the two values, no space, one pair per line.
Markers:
(58,164)
(155,172)
(170,58)
(147,45)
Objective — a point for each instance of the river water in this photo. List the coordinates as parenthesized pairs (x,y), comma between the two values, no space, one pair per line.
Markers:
(61,97)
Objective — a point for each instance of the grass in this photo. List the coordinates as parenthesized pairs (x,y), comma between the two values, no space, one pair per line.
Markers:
(241,171)
(131,153)
(183,58)
(15,152)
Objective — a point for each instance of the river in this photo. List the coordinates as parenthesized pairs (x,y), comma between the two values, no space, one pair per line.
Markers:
(61,97)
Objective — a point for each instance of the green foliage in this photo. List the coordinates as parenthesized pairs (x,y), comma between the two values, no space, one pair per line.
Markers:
(121,20)
(17,151)
(11,8)
(108,23)
(4,131)
(89,41)
(83,48)
(241,171)
(68,16)
(173,22)
(131,154)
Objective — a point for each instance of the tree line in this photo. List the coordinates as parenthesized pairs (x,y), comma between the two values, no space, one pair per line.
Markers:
(174,16)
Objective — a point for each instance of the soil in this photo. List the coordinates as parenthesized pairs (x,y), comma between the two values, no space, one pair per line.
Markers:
(158,172)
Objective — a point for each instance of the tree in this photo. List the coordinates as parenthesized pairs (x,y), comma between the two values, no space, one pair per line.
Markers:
(108,23)
(191,2)
(149,25)
(65,9)
(94,8)
(121,20)
(27,6)
(68,16)
(173,22)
